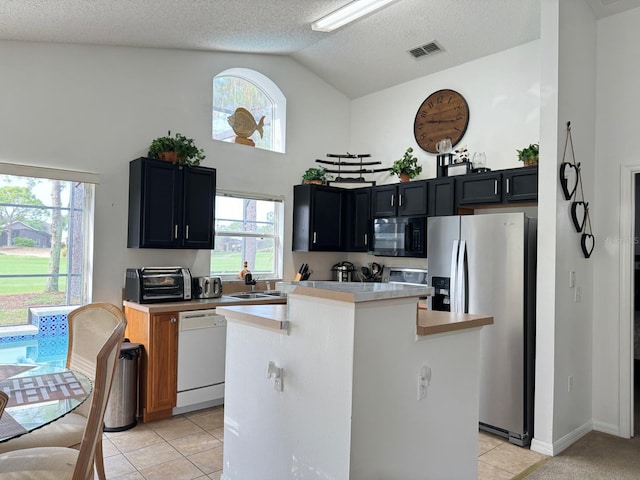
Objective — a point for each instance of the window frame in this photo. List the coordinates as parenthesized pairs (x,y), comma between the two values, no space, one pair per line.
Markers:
(271,91)
(278,235)
(89,180)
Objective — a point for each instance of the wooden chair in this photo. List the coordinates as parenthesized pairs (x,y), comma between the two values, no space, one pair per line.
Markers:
(89,327)
(4,398)
(60,463)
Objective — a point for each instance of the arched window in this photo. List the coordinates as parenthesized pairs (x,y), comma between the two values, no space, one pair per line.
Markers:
(250,90)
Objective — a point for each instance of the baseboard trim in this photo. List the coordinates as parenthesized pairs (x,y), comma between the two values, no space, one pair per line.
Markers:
(569,439)
(609,428)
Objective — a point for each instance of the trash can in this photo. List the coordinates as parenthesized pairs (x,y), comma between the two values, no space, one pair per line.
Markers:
(123,400)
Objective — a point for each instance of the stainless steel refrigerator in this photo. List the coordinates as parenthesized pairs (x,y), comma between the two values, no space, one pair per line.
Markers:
(485,264)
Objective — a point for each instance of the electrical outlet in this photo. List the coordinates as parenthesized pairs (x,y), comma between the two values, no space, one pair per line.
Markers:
(577,296)
(424,379)
(569,383)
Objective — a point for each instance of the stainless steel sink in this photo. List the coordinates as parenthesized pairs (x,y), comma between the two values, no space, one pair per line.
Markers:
(254,295)
(247,296)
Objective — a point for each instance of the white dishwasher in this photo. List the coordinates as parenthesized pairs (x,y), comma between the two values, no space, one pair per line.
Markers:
(202,339)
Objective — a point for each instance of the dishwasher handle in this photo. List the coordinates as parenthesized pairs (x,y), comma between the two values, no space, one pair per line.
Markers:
(199,320)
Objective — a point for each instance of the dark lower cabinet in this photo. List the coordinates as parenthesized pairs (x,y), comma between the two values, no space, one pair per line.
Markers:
(317,218)
(170,206)
(520,184)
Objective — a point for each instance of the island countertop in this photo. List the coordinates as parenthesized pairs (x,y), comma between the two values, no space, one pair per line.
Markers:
(429,322)
(355,291)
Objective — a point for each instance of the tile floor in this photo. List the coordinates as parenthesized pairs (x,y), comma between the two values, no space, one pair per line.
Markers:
(500,460)
(189,447)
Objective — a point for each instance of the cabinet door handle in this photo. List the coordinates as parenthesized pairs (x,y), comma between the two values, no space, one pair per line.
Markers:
(366,239)
(173,320)
(315,237)
(175,232)
(399,200)
(392,199)
(507,185)
(186,233)
(495,187)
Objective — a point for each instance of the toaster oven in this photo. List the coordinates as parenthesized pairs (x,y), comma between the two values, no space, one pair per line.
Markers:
(157,284)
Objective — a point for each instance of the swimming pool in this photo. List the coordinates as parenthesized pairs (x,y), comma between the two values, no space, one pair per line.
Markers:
(48,346)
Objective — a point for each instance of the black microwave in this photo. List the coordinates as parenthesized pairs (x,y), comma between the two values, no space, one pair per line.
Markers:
(400,237)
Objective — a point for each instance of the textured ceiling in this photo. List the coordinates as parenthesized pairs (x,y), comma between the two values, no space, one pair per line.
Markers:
(358,59)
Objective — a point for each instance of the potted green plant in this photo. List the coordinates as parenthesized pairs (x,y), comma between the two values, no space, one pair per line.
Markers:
(407,167)
(529,155)
(178,149)
(317,175)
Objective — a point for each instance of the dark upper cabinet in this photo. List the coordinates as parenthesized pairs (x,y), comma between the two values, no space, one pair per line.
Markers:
(199,207)
(408,199)
(478,188)
(384,201)
(442,200)
(317,218)
(357,218)
(170,206)
(520,184)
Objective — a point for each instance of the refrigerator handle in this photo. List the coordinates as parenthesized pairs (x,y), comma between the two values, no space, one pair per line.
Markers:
(453,284)
(461,278)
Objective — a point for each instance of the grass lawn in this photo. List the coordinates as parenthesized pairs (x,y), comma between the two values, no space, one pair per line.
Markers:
(19,293)
(231,262)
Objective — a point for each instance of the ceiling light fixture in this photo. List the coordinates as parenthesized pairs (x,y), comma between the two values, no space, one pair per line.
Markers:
(350,12)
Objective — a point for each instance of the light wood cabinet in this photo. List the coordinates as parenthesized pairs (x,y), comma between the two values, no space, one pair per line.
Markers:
(158,333)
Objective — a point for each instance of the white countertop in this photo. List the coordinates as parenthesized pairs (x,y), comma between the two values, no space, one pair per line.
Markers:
(355,291)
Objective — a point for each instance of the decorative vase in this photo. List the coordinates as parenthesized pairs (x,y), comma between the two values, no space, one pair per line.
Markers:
(404,177)
(168,156)
(314,182)
(529,162)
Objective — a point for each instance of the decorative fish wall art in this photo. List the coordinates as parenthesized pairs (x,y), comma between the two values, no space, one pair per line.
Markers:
(244,125)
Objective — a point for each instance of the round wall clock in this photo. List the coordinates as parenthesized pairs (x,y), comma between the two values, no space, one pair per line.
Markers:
(443,114)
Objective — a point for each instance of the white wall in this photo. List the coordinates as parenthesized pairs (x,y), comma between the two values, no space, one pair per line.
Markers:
(504,116)
(96,108)
(503,94)
(564,326)
(616,152)
(574,321)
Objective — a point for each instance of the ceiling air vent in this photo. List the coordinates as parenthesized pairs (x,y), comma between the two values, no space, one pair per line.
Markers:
(426,49)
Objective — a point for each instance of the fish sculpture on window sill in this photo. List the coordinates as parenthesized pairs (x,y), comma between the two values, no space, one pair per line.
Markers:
(244,125)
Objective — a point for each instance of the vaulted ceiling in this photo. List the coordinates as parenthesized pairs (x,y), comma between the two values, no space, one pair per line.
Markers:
(363,57)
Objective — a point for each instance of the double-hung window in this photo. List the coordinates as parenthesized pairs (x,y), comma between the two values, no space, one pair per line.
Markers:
(248,228)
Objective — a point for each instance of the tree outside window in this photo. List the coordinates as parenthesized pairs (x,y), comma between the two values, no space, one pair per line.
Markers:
(41,245)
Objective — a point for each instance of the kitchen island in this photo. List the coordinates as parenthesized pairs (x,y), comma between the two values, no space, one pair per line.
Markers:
(350,381)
